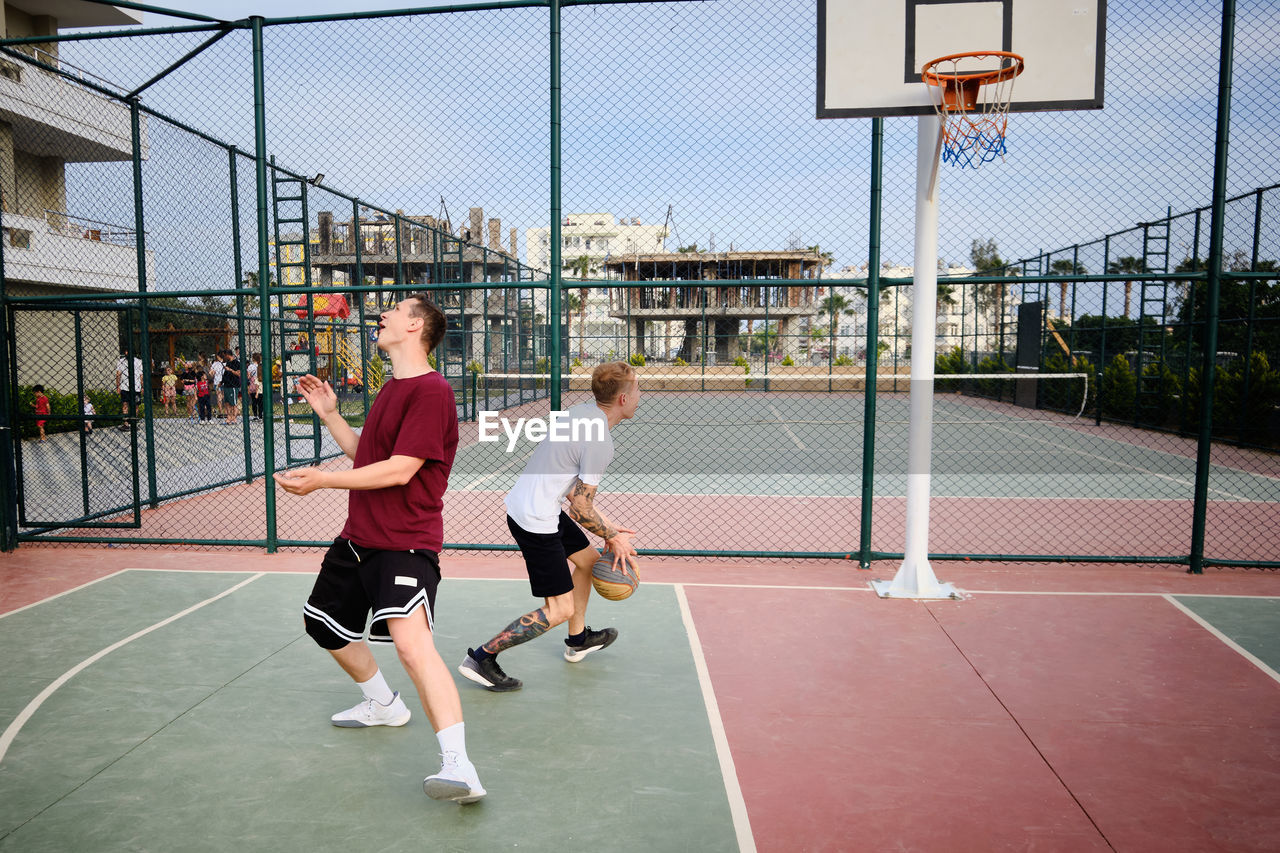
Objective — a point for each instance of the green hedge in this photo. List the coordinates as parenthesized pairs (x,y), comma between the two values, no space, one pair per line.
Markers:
(105,403)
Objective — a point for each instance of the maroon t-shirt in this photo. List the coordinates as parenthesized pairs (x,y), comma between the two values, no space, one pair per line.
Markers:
(410,417)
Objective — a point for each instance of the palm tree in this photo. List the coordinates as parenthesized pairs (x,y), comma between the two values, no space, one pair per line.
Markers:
(573,303)
(581,267)
(1127,265)
(1065,267)
(827,258)
(835,305)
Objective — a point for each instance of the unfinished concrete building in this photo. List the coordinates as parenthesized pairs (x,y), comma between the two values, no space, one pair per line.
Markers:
(426,251)
(684,289)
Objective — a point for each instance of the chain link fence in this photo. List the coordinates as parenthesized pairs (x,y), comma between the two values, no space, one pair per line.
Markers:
(710,231)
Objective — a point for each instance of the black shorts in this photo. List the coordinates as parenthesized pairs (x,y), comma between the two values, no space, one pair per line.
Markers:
(546,555)
(355,580)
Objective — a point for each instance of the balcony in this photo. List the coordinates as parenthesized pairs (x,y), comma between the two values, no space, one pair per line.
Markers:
(63,250)
(55,117)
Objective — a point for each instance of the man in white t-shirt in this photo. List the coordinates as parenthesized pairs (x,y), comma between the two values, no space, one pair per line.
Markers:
(215,381)
(129,387)
(557,554)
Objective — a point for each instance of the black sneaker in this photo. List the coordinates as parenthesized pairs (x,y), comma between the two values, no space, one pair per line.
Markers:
(488,674)
(594,641)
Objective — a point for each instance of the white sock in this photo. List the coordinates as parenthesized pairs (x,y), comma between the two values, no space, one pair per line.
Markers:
(376,689)
(454,739)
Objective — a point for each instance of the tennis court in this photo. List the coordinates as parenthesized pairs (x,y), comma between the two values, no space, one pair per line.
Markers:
(772,461)
(732,471)
(165,700)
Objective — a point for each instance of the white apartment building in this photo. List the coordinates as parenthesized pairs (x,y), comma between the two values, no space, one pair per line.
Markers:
(956,321)
(595,236)
(46,122)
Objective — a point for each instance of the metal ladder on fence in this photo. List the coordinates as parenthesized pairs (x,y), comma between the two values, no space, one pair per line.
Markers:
(1153,308)
(291,230)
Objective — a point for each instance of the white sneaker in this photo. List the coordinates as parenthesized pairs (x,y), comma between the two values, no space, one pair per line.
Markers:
(372,713)
(457,781)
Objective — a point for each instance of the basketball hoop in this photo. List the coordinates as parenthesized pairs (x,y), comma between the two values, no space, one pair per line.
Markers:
(973,132)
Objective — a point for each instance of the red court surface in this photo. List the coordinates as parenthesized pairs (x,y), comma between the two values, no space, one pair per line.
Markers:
(1053,708)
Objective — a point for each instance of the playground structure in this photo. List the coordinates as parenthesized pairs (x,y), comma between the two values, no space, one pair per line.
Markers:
(334,351)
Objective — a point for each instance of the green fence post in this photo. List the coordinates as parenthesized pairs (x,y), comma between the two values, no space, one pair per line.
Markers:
(144,343)
(84,444)
(8,423)
(264,273)
(357,274)
(553,308)
(1213,289)
(245,356)
(873,344)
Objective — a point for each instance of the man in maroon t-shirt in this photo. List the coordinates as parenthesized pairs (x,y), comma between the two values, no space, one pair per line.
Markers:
(386,559)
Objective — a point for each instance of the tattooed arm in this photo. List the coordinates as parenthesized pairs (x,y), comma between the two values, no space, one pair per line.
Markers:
(582,509)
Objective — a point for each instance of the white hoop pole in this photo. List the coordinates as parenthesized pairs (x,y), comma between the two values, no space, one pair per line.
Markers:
(915,578)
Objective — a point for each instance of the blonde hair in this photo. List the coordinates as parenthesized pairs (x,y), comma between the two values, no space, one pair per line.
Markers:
(610,379)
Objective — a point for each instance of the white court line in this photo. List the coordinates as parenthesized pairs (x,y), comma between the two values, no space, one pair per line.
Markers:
(737,805)
(64,592)
(495,472)
(1060,446)
(1224,638)
(34,705)
(778,415)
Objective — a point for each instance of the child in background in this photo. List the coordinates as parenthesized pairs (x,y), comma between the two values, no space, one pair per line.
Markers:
(88,410)
(203,401)
(168,389)
(42,407)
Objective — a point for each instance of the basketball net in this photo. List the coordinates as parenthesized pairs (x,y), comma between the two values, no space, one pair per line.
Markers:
(973,131)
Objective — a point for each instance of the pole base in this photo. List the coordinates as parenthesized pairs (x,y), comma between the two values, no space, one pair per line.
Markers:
(915,581)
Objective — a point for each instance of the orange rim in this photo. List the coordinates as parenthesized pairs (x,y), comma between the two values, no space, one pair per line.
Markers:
(982,78)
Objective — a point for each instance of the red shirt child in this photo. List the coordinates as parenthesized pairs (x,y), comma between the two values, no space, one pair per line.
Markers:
(202,388)
(42,408)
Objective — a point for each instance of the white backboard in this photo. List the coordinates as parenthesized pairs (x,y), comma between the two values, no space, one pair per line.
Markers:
(870,51)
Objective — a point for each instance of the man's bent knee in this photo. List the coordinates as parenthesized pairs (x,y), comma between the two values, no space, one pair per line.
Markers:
(323,635)
(559,609)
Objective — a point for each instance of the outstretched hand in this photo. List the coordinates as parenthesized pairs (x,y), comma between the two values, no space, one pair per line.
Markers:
(300,481)
(319,395)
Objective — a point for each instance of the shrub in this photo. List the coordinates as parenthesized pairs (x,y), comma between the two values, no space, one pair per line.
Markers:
(1232,408)
(1063,395)
(680,362)
(577,362)
(843,361)
(105,403)
(951,361)
(788,361)
(637,359)
(1119,385)
(1162,407)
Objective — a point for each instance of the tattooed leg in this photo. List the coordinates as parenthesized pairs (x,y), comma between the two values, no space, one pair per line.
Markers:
(524,629)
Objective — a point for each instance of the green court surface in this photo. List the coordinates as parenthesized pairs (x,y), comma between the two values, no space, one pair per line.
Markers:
(1253,624)
(211,732)
(810,444)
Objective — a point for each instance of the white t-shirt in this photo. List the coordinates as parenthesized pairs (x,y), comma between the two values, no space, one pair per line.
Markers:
(535,500)
(139,378)
(217,373)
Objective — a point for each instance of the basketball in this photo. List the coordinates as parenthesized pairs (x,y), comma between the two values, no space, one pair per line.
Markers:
(611,583)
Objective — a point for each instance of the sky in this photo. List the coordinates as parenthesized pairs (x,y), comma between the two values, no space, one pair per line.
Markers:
(700,112)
